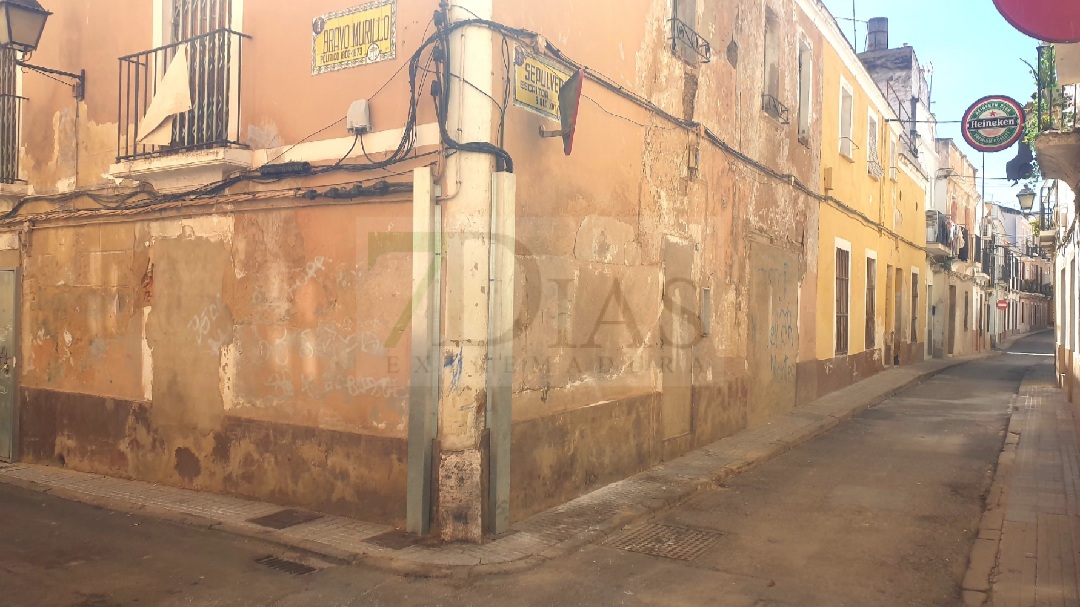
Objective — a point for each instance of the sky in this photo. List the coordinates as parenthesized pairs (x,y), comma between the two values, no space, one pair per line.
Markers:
(975,53)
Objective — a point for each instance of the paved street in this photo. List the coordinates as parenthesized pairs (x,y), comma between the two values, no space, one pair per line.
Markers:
(882,510)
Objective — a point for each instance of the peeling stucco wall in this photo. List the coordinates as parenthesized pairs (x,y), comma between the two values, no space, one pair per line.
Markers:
(257,353)
(618,243)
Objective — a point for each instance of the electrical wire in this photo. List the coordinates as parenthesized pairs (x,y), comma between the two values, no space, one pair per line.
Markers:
(382,87)
(318,132)
(504,162)
(352,147)
(505,47)
(435,47)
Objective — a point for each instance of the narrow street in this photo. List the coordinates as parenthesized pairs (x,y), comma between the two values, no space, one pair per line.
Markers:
(882,510)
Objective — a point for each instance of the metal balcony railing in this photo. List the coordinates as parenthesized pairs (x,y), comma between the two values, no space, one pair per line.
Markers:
(682,35)
(215,61)
(937,229)
(10,137)
(775,108)
(1036,288)
(901,105)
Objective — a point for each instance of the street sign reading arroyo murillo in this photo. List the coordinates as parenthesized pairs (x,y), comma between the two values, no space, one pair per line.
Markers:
(993,123)
(356,36)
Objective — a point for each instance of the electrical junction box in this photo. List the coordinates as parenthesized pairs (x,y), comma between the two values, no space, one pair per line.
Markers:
(358,120)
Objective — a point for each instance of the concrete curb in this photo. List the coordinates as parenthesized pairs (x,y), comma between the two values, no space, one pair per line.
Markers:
(677,490)
(985,560)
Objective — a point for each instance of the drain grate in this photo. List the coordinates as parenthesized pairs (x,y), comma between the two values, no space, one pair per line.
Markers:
(394,540)
(290,567)
(283,519)
(666,541)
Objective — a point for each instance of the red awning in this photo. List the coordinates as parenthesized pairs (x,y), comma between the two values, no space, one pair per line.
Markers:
(1047,20)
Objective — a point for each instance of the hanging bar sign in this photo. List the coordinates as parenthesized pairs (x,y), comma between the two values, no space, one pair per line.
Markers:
(993,123)
(353,37)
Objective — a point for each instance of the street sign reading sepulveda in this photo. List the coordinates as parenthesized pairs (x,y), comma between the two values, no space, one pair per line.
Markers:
(354,36)
(537,82)
(993,123)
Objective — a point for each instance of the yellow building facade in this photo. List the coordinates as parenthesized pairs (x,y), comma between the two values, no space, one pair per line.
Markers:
(872,271)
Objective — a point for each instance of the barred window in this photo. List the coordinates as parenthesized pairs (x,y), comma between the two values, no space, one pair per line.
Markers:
(10,118)
(871,303)
(843,269)
(914,308)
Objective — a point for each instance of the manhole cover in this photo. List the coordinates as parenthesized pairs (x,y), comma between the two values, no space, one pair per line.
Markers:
(290,567)
(285,518)
(666,541)
(394,540)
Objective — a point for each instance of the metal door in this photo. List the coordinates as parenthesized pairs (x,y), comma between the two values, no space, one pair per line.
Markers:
(773,347)
(676,404)
(7,365)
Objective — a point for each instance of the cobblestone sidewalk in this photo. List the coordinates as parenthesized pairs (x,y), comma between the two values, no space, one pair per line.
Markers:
(546,535)
(1027,551)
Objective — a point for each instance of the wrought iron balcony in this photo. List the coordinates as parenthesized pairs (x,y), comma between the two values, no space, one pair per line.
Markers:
(874,169)
(684,36)
(10,137)
(1036,287)
(214,69)
(939,241)
(989,263)
(775,108)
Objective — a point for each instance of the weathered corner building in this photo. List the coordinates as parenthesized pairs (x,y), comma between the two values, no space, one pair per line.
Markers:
(438,318)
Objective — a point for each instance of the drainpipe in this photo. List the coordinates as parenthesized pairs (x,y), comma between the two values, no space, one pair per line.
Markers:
(425,360)
(502,238)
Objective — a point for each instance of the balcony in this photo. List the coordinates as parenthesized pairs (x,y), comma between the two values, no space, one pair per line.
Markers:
(683,37)
(939,241)
(1057,148)
(179,109)
(1034,287)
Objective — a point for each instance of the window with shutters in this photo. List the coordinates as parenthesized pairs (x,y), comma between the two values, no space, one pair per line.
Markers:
(10,117)
(847,118)
(806,83)
(873,158)
(914,308)
(843,299)
(871,303)
(893,159)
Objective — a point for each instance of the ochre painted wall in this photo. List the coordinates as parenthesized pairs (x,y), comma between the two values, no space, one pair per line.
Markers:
(879,216)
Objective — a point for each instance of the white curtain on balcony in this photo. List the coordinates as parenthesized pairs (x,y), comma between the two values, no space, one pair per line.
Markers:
(1068,63)
(173,97)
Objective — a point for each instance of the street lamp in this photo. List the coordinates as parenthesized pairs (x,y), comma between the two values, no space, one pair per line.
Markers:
(1027,199)
(21,24)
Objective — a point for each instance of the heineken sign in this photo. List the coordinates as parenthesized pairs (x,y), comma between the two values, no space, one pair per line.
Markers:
(993,123)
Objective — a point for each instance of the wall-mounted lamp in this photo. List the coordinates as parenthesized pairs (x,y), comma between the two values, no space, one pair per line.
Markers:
(1027,199)
(21,25)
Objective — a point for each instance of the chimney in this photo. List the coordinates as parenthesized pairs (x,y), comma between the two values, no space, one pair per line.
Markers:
(877,35)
